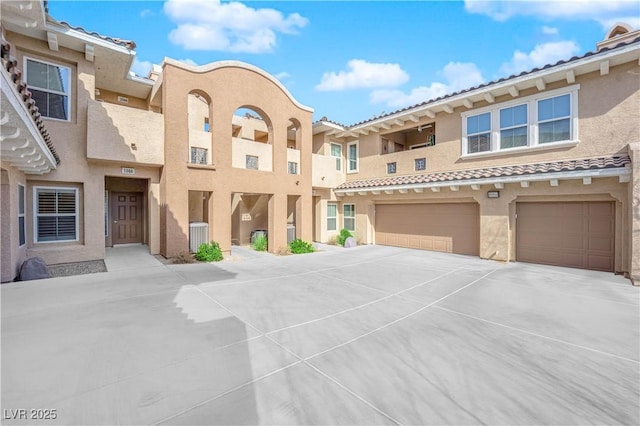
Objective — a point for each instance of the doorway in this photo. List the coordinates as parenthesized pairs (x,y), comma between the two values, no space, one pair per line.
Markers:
(126,217)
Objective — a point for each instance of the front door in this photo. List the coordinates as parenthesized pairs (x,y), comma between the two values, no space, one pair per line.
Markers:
(126,216)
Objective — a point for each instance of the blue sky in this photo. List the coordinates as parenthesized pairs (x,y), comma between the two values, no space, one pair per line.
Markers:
(351,61)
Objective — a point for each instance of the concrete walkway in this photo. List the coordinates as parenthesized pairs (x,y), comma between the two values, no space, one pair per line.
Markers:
(130,256)
(369,335)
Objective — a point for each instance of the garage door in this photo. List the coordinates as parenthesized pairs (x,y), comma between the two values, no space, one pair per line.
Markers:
(578,235)
(452,228)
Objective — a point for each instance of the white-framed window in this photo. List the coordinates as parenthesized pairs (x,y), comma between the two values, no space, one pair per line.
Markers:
(50,87)
(55,214)
(352,157)
(22,225)
(531,122)
(349,217)
(332,217)
(336,152)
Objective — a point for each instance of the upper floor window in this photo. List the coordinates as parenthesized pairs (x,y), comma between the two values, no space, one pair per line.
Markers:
(545,118)
(50,87)
(513,126)
(336,152)
(292,167)
(352,157)
(554,119)
(420,164)
(479,133)
(198,155)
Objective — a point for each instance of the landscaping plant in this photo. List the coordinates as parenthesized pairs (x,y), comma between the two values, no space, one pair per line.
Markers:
(342,237)
(260,243)
(209,252)
(298,246)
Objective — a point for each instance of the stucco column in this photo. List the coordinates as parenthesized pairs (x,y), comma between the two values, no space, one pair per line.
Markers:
(7,241)
(153,195)
(277,222)
(634,214)
(175,212)
(220,219)
(304,217)
(494,227)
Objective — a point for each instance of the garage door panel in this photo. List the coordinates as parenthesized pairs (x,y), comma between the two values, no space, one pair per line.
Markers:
(574,234)
(452,228)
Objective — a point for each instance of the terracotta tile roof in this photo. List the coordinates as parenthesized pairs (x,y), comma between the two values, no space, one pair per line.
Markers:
(129,44)
(545,67)
(11,65)
(616,161)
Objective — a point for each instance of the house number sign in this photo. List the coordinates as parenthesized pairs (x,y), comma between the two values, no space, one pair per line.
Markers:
(128,171)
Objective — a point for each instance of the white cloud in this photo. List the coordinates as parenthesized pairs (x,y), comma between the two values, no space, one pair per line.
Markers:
(542,54)
(189,61)
(141,68)
(605,12)
(145,13)
(549,30)
(458,76)
(282,75)
(232,27)
(363,74)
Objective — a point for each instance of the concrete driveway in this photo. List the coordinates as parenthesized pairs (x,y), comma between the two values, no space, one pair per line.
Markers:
(370,335)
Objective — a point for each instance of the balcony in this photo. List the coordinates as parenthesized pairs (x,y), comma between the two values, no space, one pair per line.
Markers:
(325,174)
(261,155)
(124,135)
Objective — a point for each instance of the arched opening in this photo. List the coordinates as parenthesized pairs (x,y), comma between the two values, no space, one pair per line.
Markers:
(294,143)
(200,126)
(618,30)
(252,139)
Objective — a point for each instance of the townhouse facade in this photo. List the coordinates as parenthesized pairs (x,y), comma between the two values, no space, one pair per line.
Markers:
(541,167)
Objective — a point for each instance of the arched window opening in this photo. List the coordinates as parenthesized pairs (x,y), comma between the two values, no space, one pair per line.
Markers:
(294,143)
(252,135)
(200,127)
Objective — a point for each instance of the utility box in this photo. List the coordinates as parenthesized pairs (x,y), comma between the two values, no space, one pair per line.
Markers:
(198,234)
(291,233)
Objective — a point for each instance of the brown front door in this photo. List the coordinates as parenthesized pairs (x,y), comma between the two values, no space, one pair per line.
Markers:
(126,217)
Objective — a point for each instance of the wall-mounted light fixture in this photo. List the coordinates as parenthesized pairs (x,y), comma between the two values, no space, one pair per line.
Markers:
(493,194)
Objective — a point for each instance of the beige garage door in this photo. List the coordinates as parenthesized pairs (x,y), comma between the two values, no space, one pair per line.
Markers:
(452,228)
(578,235)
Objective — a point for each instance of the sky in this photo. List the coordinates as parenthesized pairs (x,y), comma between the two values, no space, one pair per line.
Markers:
(354,60)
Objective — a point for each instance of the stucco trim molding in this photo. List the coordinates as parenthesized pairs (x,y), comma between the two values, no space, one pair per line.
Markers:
(235,64)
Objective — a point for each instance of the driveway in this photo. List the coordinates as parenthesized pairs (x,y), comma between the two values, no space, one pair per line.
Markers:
(369,335)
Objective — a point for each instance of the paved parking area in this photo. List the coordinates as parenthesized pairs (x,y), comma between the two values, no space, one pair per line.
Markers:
(370,335)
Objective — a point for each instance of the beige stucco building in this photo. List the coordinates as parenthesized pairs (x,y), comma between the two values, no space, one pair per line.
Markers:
(540,167)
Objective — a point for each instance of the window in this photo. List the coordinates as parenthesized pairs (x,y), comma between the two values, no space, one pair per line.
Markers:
(420,164)
(49,85)
(479,133)
(391,168)
(513,127)
(22,226)
(530,122)
(56,214)
(349,212)
(332,217)
(252,162)
(198,155)
(352,157)
(554,119)
(292,167)
(336,152)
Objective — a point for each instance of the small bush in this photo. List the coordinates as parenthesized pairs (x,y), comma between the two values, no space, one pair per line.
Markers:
(209,252)
(181,258)
(260,243)
(342,237)
(298,246)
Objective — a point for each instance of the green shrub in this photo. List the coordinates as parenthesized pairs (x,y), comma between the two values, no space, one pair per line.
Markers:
(342,237)
(260,243)
(298,246)
(209,252)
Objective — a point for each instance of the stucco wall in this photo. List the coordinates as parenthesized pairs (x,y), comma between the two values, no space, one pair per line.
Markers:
(11,253)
